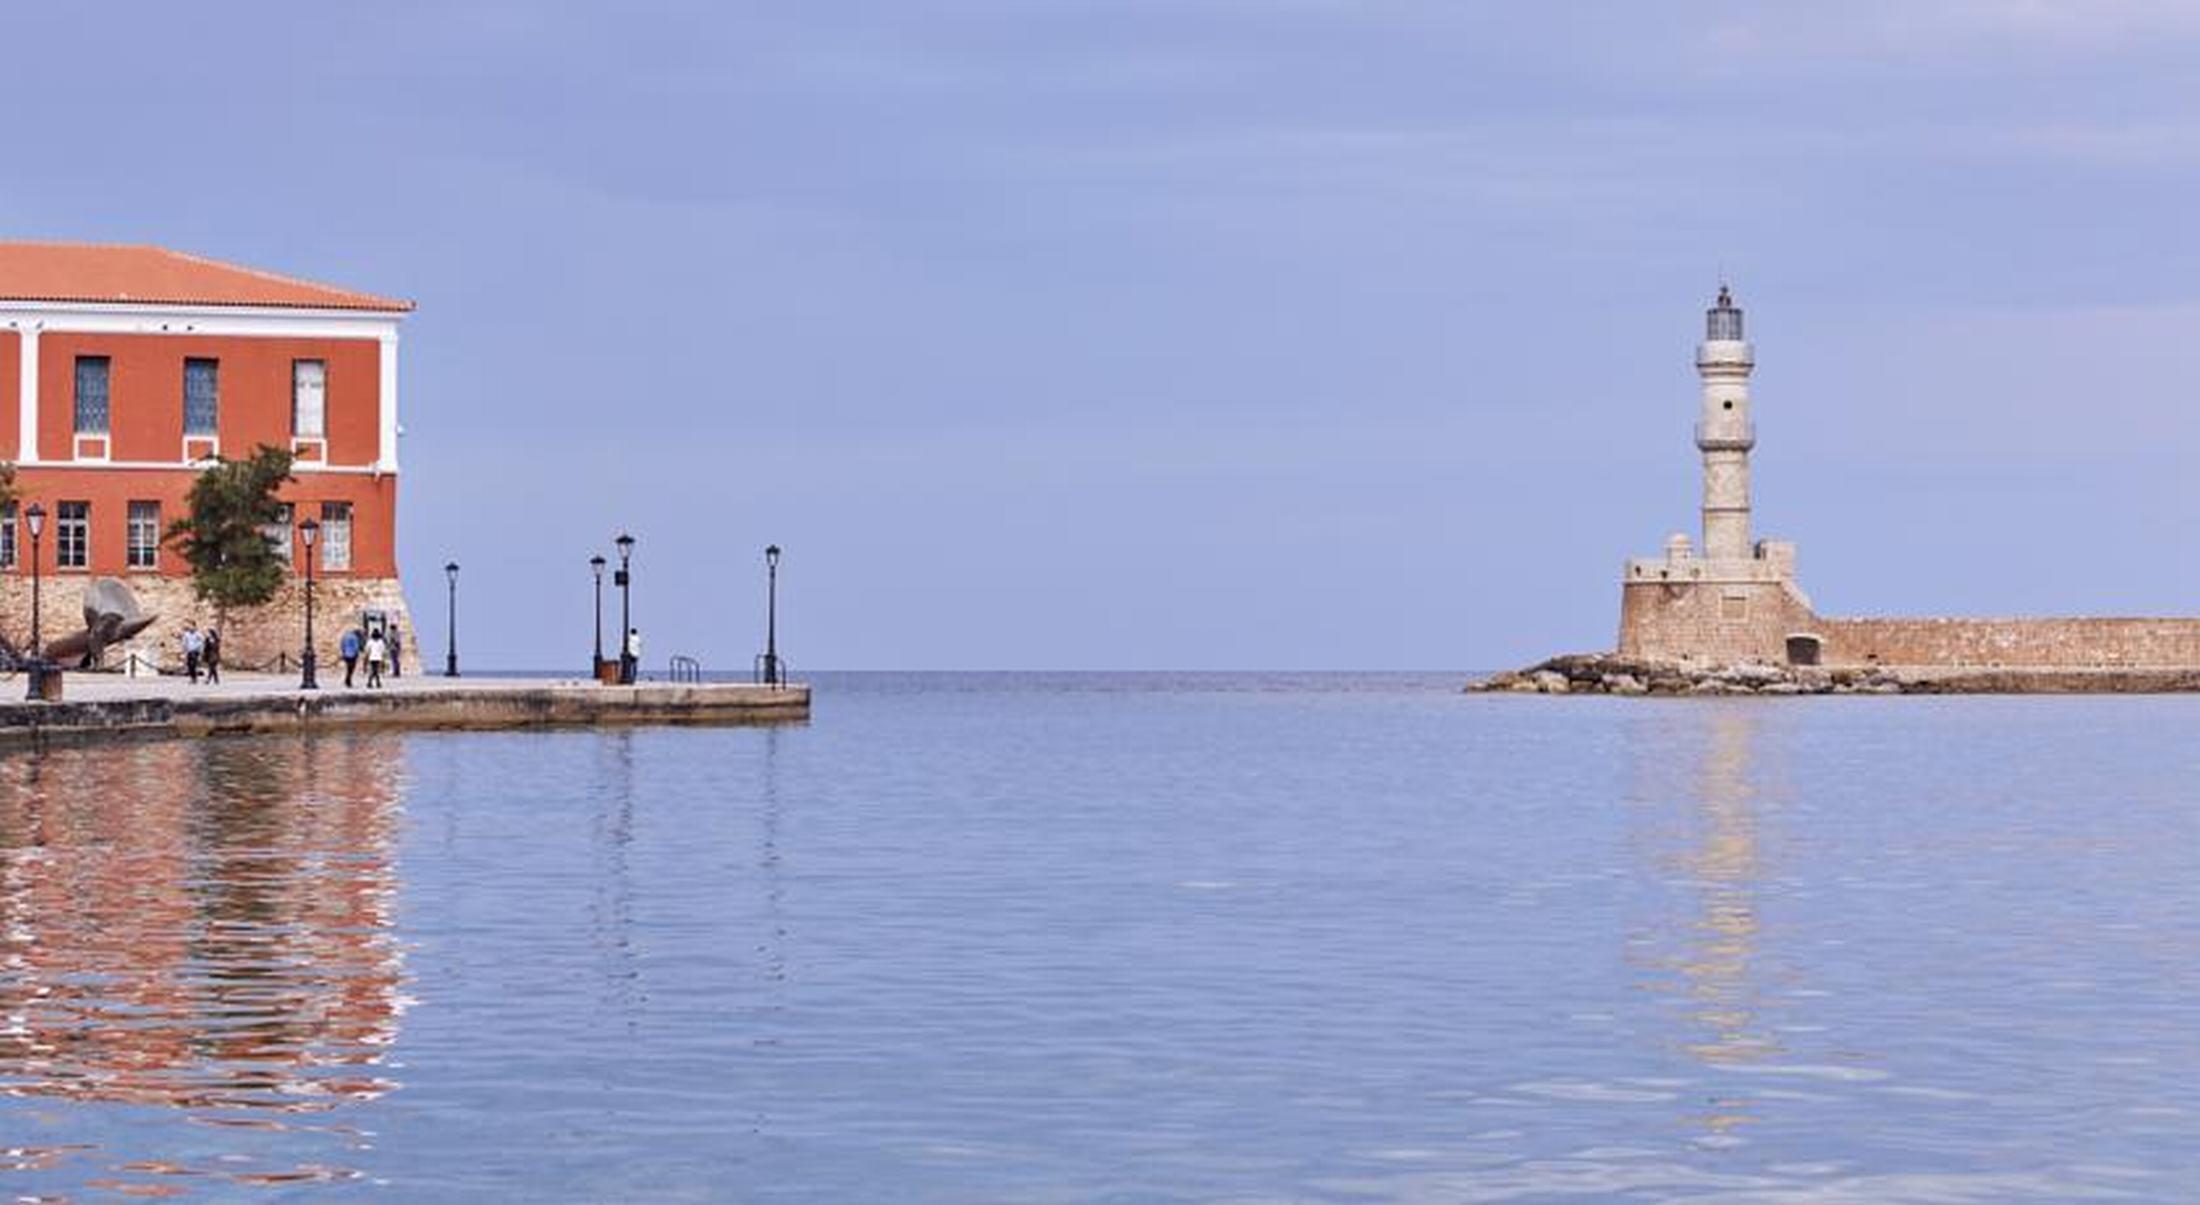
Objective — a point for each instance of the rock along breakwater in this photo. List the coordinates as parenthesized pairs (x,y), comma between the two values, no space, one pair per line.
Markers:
(1615,674)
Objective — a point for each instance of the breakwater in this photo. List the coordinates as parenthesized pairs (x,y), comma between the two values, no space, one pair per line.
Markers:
(165,708)
(1610,674)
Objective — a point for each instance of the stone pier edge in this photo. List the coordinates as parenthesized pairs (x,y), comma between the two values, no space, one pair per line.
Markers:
(470,708)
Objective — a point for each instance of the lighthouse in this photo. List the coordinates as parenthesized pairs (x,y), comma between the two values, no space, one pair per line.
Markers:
(1735,597)
(1724,433)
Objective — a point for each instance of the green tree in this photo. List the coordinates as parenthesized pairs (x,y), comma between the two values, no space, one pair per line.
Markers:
(224,538)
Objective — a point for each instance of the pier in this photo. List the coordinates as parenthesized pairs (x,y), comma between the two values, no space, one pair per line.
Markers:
(104,705)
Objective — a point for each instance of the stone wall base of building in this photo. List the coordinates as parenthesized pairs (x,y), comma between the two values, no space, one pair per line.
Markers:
(252,637)
(1711,622)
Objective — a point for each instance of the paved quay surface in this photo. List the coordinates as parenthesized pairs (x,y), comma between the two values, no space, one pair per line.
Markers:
(88,687)
(95,704)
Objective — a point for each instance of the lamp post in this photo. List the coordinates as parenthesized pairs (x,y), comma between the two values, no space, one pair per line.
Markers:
(772,676)
(308,531)
(35,519)
(595,666)
(450,648)
(624,581)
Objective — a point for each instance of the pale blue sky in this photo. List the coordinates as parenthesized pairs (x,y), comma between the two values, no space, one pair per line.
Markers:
(1195,333)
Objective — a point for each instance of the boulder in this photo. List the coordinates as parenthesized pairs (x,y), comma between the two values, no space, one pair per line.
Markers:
(1624,684)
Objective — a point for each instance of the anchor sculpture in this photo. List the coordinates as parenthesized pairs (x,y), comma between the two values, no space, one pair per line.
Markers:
(111,616)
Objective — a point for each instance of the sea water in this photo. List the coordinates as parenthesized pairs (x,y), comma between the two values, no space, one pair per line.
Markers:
(1133,937)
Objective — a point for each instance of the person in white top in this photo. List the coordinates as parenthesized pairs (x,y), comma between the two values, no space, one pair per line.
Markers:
(193,645)
(633,655)
(378,655)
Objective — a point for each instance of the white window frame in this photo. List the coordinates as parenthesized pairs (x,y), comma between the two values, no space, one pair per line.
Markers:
(201,445)
(104,438)
(61,523)
(300,439)
(280,534)
(337,517)
(131,546)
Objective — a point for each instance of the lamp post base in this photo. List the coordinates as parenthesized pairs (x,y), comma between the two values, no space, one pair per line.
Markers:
(307,681)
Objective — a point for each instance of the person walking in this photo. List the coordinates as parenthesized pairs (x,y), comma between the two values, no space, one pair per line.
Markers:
(349,650)
(193,645)
(210,652)
(397,654)
(378,653)
(633,655)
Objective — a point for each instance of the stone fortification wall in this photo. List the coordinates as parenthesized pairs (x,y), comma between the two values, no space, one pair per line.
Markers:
(251,637)
(1711,621)
(1733,622)
(2054,643)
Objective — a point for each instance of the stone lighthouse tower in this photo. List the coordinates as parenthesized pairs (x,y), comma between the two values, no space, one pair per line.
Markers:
(1735,599)
(1724,433)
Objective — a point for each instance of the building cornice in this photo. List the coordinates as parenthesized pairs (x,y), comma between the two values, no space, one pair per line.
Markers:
(39,317)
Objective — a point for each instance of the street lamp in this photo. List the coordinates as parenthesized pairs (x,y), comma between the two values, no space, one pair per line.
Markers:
(35,519)
(772,676)
(450,648)
(308,531)
(595,667)
(624,580)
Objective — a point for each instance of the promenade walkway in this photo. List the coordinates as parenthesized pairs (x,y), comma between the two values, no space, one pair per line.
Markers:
(88,687)
(95,704)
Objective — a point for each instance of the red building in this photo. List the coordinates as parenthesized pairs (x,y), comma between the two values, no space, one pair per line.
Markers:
(122,368)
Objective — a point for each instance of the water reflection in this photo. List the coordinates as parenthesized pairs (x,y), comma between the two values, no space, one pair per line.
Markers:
(611,912)
(1706,820)
(772,950)
(768,871)
(1722,957)
(200,924)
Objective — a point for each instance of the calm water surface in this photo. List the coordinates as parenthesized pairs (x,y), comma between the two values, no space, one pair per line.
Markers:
(1132,937)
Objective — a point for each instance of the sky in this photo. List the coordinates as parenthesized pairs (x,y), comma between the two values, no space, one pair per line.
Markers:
(1193,334)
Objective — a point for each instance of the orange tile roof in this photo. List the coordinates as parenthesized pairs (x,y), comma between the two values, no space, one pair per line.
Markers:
(111,274)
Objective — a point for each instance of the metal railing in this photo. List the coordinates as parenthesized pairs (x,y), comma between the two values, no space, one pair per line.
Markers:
(684,669)
(770,670)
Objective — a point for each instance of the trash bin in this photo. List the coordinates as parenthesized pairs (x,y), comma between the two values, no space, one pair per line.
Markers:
(45,681)
(607,672)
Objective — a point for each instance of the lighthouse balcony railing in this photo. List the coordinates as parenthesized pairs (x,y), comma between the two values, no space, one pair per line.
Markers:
(1726,435)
